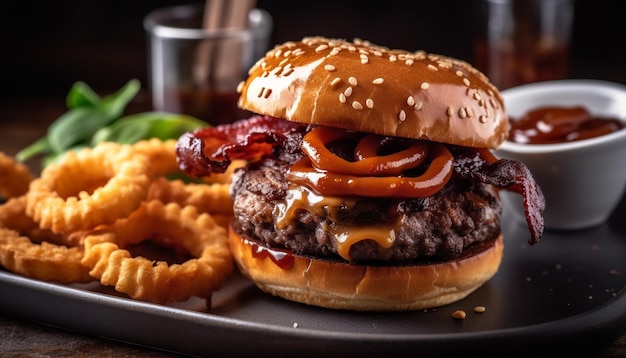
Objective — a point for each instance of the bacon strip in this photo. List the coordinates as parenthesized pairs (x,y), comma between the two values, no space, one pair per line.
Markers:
(510,175)
(211,150)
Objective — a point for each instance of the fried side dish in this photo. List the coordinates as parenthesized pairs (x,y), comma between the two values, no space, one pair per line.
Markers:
(94,215)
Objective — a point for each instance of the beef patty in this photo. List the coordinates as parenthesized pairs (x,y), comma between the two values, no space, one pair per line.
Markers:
(438,227)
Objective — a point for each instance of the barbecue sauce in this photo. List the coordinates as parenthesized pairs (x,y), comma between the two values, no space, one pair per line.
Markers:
(282,258)
(554,124)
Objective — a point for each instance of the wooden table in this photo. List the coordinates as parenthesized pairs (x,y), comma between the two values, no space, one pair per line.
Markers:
(21,123)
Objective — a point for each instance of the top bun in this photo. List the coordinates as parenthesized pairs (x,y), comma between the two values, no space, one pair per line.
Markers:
(368,88)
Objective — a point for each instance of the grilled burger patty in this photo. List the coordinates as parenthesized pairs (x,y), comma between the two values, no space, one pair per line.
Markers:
(438,227)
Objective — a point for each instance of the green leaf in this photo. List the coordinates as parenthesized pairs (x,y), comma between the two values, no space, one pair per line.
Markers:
(132,128)
(76,126)
(81,95)
(40,146)
(79,124)
(116,103)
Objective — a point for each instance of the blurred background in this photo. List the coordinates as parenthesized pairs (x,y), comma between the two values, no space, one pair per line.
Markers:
(47,46)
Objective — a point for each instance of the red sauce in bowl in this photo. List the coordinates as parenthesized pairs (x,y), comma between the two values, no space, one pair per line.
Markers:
(553,124)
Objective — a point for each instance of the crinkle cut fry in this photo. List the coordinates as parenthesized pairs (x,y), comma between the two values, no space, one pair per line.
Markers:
(15,177)
(90,187)
(140,278)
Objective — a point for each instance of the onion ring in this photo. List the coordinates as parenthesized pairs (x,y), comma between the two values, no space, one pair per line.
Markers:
(90,187)
(40,254)
(160,153)
(16,177)
(108,259)
(207,198)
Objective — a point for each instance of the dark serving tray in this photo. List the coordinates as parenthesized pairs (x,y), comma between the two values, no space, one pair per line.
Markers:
(565,294)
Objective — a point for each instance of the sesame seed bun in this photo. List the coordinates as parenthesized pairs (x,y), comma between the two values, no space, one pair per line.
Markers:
(364,87)
(340,285)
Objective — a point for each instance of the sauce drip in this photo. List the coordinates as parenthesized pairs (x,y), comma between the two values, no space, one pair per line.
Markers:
(553,124)
(282,258)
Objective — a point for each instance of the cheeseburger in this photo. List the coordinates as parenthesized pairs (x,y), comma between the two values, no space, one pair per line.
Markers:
(369,181)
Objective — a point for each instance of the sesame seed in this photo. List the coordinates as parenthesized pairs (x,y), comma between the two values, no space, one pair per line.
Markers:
(267,92)
(393,58)
(493,103)
(364,59)
(450,112)
(459,73)
(479,309)
(352,81)
(329,68)
(432,67)
(477,96)
(377,53)
(342,98)
(409,62)
(321,48)
(378,81)
(424,85)
(369,103)
(482,119)
(240,86)
(335,81)
(418,106)
(260,94)
(348,92)
(410,101)
(462,113)
(466,81)
(402,115)
(470,112)
(459,314)
(356,105)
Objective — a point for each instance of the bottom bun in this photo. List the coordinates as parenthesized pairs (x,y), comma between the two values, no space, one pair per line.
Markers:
(340,285)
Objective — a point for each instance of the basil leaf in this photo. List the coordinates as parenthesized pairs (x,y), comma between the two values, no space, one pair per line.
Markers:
(75,126)
(40,146)
(81,95)
(81,123)
(135,127)
(115,103)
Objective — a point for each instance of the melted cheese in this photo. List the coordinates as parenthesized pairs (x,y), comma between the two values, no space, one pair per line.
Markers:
(301,198)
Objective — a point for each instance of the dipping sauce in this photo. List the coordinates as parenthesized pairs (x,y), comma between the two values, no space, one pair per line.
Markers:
(554,124)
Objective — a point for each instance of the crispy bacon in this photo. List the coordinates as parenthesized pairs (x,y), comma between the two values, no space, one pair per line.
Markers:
(507,174)
(211,150)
